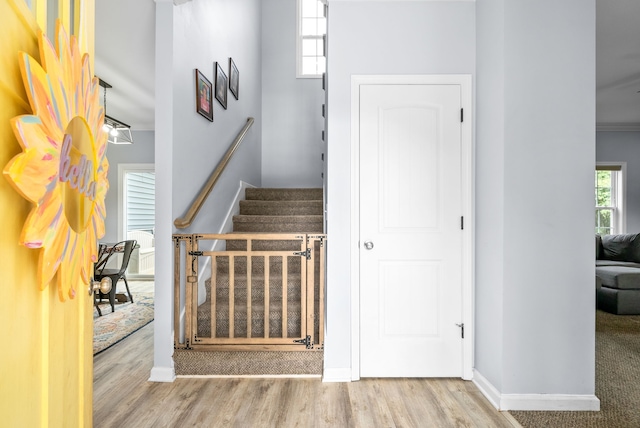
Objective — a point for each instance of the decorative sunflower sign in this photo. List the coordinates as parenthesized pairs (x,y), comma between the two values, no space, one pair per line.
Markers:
(63,166)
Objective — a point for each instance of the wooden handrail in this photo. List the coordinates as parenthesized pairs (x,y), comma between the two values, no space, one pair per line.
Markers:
(183,222)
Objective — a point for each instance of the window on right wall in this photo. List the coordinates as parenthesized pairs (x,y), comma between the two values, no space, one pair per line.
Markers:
(312,27)
(609,198)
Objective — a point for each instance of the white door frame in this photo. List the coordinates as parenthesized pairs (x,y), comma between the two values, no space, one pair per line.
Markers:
(468,190)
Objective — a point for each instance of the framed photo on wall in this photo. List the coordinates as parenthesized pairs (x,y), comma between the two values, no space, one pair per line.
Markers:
(234,78)
(221,85)
(204,96)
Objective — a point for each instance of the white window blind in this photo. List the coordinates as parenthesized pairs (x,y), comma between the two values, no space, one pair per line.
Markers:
(140,196)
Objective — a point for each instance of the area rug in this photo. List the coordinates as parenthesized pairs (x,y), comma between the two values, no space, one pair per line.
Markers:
(112,327)
(617,380)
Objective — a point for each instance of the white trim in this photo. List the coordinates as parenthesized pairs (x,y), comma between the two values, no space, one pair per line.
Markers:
(468,191)
(618,127)
(550,402)
(227,227)
(162,374)
(123,168)
(538,402)
(621,197)
(336,375)
(487,389)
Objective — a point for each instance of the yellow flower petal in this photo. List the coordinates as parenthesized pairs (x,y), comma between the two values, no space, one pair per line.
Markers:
(33,173)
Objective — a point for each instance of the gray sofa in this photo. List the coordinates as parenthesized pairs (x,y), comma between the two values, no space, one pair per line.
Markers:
(618,273)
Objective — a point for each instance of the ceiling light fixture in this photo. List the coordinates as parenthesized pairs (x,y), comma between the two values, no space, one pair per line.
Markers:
(119,132)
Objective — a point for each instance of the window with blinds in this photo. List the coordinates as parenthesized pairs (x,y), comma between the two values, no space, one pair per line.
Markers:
(140,200)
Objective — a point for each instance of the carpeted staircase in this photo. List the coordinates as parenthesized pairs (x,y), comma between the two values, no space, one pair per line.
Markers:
(264,210)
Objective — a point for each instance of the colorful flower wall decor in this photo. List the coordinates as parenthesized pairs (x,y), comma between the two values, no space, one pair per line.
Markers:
(63,167)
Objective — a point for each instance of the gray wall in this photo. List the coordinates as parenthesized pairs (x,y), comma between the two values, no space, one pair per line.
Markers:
(206,31)
(188,147)
(535,318)
(291,108)
(395,38)
(141,151)
(624,147)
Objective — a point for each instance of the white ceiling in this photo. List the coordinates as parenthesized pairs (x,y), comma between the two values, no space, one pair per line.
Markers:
(618,64)
(125,34)
(125,58)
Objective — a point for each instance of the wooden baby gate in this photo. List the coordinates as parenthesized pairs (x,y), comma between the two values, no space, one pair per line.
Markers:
(264,292)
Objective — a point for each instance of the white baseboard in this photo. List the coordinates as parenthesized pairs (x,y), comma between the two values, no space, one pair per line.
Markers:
(540,402)
(162,374)
(336,375)
(227,227)
(550,402)
(487,389)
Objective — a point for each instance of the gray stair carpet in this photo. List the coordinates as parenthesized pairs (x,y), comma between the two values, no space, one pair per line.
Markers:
(264,210)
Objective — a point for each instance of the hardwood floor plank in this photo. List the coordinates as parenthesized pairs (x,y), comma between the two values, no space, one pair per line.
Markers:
(123,397)
(368,405)
(332,407)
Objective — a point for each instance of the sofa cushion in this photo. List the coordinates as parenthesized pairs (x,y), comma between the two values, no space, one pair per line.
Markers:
(624,248)
(620,277)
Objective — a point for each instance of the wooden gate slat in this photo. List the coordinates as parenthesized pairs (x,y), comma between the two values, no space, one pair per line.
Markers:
(232,295)
(249,276)
(285,281)
(267,309)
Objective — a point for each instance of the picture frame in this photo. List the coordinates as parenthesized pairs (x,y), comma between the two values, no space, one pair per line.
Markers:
(204,96)
(222,84)
(234,78)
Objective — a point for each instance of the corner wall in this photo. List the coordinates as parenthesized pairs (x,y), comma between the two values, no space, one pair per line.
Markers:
(194,35)
(535,300)
(624,146)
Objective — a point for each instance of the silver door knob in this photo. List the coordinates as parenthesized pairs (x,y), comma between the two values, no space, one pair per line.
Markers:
(368,245)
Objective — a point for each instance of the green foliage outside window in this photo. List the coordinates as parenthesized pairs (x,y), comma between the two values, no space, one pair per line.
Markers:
(603,198)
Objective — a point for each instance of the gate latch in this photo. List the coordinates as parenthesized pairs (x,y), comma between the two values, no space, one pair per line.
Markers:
(306,254)
(306,342)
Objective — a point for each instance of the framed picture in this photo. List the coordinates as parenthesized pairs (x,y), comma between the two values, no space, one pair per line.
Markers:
(204,96)
(234,78)
(221,85)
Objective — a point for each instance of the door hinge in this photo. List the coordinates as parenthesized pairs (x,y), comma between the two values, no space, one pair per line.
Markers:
(306,254)
(461,325)
(306,342)
(462,222)
(461,115)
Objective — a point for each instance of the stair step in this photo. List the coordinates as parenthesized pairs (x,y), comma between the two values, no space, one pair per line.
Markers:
(260,245)
(280,207)
(278,224)
(292,194)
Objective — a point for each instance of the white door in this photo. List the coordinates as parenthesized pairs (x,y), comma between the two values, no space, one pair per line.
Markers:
(410,218)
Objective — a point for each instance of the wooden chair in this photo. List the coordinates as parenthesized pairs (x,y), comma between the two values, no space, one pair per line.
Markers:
(100,271)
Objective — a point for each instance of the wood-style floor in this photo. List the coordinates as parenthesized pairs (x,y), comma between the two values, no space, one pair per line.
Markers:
(124,398)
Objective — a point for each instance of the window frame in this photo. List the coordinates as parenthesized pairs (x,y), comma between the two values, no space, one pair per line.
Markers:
(618,187)
(300,38)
